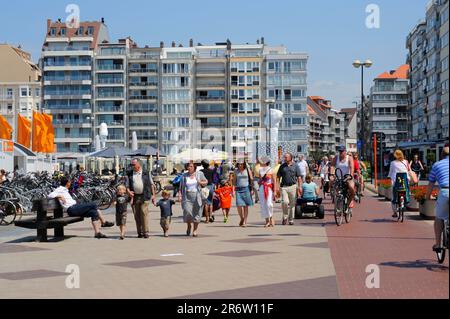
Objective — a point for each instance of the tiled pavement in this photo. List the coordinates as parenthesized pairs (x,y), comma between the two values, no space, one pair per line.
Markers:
(313,259)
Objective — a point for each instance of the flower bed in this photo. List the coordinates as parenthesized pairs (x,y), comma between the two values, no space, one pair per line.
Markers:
(426,206)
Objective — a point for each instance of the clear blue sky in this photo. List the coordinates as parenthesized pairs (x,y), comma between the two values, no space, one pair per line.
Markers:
(332,32)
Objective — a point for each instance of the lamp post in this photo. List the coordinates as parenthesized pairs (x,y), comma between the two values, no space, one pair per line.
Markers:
(362,65)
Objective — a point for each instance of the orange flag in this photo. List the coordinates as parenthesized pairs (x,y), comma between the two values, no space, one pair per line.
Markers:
(43,133)
(49,141)
(23,131)
(5,129)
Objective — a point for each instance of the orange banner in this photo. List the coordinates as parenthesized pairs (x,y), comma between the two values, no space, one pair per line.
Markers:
(43,133)
(23,131)
(5,129)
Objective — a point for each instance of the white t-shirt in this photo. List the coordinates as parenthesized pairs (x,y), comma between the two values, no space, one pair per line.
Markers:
(398,167)
(63,192)
(303,165)
(191,184)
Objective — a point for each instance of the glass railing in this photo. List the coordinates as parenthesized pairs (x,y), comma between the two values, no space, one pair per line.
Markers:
(63,79)
(141,97)
(115,137)
(142,110)
(144,84)
(70,121)
(104,95)
(210,98)
(79,63)
(143,70)
(64,93)
(109,81)
(109,67)
(110,109)
(110,123)
(134,124)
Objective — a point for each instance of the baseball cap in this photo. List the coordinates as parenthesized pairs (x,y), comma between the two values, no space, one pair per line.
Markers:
(341,148)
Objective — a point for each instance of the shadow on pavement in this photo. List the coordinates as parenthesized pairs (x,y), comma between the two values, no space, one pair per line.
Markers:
(428,264)
(32,239)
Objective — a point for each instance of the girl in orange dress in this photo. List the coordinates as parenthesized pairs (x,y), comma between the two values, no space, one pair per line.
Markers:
(225,193)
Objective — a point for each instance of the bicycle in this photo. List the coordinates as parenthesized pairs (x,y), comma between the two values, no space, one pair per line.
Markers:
(358,189)
(400,190)
(341,206)
(8,212)
(440,251)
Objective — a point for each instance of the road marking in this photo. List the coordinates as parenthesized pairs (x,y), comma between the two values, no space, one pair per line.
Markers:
(171,255)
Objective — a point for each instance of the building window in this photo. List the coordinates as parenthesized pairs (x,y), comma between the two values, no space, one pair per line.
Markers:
(24,92)
(9,93)
(81,31)
(63,31)
(53,32)
(90,30)
(38,92)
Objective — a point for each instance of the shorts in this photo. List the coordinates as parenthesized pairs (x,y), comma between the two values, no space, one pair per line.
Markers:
(442,205)
(243,197)
(209,201)
(165,222)
(121,218)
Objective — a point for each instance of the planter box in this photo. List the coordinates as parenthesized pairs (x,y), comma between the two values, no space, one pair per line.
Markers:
(388,194)
(380,191)
(427,209)
(413,204)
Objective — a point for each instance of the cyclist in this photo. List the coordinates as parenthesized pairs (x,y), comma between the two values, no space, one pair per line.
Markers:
(400,175)
(345,163)
(439,173)
(358,173)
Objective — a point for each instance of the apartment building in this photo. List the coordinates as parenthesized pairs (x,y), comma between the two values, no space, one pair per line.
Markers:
(444,75)
(110,90)
(67,65)
(20,87)
(285,82)
(389,106)
(350,128)
(327,126)
(144,104)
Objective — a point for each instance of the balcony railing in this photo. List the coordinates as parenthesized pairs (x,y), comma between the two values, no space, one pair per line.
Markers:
(142,97)
(111,123)
(70,121)
(79,63)
(144,84)
(134,124)
(110,95)
(143,70)
(210,71)
(210,98)
(106,67)
(109,81)
(68,93)
(110,109)
(67,78)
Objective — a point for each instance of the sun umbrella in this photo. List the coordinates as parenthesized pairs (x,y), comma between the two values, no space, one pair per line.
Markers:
(111,152)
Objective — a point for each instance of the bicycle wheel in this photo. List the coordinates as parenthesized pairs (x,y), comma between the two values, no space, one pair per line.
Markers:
(348,212)
(7,213)
(339,210)
(440,253)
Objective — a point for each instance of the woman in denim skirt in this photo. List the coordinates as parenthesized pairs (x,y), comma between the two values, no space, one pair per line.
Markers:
(242,181)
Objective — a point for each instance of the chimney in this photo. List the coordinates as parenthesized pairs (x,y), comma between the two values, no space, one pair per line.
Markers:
(257,41)
(262,40)
(228,44)
(161,44)
(191,43)
(49,23)
(103,20)
(180,45)
(174,44)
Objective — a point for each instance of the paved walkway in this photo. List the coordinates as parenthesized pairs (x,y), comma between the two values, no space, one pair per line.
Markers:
(313,259)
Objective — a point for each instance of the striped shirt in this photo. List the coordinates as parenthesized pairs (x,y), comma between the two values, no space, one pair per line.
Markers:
(439,173)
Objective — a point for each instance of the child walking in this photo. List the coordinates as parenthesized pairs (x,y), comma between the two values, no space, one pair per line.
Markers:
(121,209)
(225,192)
(165,205)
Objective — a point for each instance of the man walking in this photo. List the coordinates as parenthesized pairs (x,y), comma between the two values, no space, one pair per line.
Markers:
(439,173)
(290,181)
(303,166)
(142,189)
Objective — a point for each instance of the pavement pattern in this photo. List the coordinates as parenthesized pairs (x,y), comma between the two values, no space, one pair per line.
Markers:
(311,260)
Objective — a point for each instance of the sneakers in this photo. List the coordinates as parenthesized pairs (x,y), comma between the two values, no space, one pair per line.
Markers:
(291,223)
(107,224)
(146,236)
(122,238)
(284,221)
(225,220)
(100,236)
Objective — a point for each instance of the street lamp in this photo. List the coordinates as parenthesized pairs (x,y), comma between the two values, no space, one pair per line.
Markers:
(362,65)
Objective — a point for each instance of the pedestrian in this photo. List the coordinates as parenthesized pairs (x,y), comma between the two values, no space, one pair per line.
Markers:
(303,166)
(88,210)
(242,182)
(191,197)
(209,175)
(2,176)
(122,201)
(256,178)
(266,191)
(417,167)
(165,205)
(141,187)
(288,185)
(310,190)
(439,173)
(225,193)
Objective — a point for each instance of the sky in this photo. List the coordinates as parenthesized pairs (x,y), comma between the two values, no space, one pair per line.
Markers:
(332,32)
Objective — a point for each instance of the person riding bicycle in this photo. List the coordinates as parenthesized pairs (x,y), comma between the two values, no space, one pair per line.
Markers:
(439,173)
(400,175)
(358,172)
(345,163)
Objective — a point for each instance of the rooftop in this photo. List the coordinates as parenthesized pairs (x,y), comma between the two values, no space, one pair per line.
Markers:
(400,73)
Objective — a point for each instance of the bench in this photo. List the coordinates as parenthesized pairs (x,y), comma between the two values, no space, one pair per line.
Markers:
(44,220)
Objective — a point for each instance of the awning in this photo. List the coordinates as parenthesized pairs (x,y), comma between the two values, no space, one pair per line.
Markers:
(20,150)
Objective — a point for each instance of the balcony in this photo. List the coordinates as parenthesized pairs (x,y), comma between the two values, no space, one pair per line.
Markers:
(110,81)
(210,72)
(67,64)
(143,70)
(144,84)
(110,109)
(210,98)
(110,123)
(110,67)
(116,137)
(143,97)
(109,95)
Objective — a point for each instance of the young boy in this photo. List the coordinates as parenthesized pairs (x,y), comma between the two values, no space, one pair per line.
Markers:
(121,209)
(225,192)
(165,205)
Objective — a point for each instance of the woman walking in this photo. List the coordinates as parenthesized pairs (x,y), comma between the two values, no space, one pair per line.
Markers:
(266,193)
(417,167)
(242,181)
(190,196)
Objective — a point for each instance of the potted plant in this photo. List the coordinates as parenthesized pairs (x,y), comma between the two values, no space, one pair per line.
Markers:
(386,188)
(426,206)
(413,204)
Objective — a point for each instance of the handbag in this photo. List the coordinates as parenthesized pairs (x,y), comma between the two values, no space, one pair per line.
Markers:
(204,193)
(411,174)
